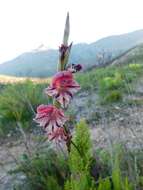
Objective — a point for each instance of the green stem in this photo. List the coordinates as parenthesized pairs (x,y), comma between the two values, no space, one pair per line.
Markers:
(71,142)
(76,147)
(56,103)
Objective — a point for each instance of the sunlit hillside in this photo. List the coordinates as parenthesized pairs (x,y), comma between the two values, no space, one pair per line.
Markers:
(4,79)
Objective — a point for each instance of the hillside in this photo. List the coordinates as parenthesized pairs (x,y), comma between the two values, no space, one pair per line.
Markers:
(131,56)
(111,100)
(42,63)
(111,94)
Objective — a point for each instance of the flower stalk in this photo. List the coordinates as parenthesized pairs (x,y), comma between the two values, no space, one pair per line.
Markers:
(62,88)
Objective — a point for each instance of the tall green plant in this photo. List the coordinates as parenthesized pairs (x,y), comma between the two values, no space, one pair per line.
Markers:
(80,159)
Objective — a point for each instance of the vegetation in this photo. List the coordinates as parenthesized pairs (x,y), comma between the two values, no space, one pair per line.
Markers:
(80,160)
(18,103)
(114,168)
(111,82)
(44,170)
(110,168)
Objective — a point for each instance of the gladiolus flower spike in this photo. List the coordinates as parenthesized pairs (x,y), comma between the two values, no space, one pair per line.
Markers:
(62,88)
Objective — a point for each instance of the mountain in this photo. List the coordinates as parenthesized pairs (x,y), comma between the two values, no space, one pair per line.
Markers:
(43,63)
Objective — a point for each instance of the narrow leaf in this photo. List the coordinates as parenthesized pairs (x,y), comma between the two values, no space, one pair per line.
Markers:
(66,31)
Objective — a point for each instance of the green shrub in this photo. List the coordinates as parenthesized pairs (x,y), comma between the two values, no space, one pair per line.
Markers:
(43,171)
(111,175)
(135,66)
(123,167)
(105,80)
(117,168)
(113,96)
(109,83)
(87,80)
(80,160)
(18,103)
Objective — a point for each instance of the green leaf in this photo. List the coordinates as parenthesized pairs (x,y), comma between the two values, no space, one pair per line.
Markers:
(66,31)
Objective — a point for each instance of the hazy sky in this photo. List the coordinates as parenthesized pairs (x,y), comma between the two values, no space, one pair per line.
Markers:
(26,24)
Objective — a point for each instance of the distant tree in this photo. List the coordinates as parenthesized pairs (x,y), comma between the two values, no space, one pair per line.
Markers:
(103,57)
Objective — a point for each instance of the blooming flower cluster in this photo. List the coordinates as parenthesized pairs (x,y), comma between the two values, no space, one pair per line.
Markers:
(62,88)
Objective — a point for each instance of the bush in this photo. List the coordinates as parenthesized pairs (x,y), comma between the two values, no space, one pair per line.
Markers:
(88,173)
(87,80)
(105,80)
(80,160)
(110,83)
(18,103)
(114,168)
(113,96)
(43,170)
(135,66)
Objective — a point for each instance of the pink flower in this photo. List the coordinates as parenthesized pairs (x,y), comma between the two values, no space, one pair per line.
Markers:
(62,87)
(49,117)
(58,135)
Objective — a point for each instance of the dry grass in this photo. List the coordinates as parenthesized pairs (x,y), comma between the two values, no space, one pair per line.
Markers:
(11,79)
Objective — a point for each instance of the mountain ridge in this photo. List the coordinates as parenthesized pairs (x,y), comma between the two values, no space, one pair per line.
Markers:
(43,63)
